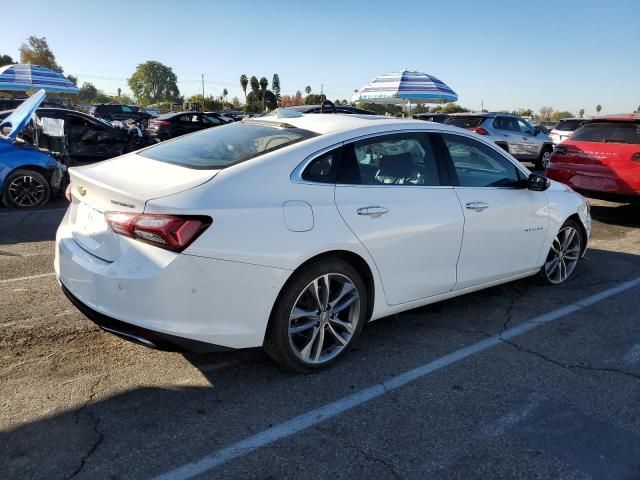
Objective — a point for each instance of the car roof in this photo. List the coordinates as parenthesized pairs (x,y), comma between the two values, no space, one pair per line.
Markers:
(621,117)
(336,122)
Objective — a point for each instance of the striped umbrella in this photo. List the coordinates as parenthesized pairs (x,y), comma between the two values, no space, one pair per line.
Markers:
(23,77)
(403,87)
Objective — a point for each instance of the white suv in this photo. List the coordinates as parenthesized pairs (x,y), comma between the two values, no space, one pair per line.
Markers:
(565,128)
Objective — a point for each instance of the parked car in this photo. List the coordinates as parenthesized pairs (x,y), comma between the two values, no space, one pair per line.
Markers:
(112,111)
(510,132)
(175,124)
(221,116)
(84,137)
(329,109)
(28,176)
(432,117)
(601,158)
(259,233)
(564,128)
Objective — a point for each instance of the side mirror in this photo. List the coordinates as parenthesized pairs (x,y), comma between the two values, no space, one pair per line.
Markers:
(538,183)
(536,130)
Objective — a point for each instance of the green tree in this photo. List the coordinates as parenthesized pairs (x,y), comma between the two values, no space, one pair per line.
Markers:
(264,83)
(314,99)
(525,112)
(225,92)
(154,82)
(275,86)
(73,79)
(88,92)
(598,108)
(299,95)
(255,85)
(557,116)
(307,89)
(5,60)
(244,81)
(37,52)
(450,108)
(581,113)
(254,101)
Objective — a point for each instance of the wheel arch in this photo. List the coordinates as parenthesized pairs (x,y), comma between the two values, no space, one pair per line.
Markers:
(353,259)
(575,217)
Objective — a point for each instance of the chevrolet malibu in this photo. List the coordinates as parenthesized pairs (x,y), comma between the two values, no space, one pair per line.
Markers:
(292,231)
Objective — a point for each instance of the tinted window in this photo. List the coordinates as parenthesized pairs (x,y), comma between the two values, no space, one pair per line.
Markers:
(465,121)
(215,148)
(211,120)
(403,159)
(506,123)
(478,165)
(614,132)
(524,127)
(322,169)
(568,125)
(191,118)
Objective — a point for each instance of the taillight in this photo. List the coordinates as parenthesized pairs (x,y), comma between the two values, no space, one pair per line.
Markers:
(635,157)
(160,123)
(558,150)
(479,130)
(67,193)
(172,232)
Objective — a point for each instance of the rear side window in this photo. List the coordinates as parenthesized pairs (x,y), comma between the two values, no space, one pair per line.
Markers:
(400,159)
(465,121)
(612,132)
(226,145)
(323,168)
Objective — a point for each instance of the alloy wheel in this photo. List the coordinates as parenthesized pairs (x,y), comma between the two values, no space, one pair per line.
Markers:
(26,191)
(563,256)
(324,318)
(546,157)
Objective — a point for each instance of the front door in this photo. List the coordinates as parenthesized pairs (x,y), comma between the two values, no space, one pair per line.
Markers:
(390,195)
(505,224)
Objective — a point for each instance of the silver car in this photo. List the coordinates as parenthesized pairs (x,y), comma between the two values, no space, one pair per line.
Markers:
(513,133)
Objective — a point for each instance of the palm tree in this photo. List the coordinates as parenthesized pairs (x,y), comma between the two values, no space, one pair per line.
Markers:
(225,92)
(244,81)
(255,87)
(264,83)
(307,89)
(581,113)
(598,108)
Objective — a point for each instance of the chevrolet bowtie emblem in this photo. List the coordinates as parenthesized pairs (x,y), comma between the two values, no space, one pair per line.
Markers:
(82,191)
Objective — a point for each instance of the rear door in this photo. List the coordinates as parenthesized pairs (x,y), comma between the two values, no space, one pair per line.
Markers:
(505,224)
(390,193)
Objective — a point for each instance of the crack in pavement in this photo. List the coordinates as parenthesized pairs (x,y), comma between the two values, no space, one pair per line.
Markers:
(509,312)
(362,452)
(96,422)
(522,349)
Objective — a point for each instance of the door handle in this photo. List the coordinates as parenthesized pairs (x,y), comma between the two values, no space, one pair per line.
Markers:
(477,206)
(374,211)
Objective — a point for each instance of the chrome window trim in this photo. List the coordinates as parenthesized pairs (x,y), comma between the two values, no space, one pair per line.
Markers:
(296,174)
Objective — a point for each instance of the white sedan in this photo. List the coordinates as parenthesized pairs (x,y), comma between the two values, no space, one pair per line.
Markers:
(292,231)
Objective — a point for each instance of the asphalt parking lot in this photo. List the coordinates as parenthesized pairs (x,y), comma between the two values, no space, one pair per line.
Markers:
(556,395)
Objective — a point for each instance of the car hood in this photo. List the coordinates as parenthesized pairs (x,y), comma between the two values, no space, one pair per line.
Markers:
(21,115)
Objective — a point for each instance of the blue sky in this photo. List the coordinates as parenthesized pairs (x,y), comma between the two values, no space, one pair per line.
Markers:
(569,54)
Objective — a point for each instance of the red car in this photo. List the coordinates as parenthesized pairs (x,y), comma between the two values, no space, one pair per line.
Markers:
(601,158)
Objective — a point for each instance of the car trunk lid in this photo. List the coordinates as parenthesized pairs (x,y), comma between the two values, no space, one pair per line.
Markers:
(123,184)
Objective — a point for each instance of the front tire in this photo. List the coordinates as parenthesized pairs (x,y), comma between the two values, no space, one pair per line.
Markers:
(25,189)
(563,255)
(543,160)
(317,317)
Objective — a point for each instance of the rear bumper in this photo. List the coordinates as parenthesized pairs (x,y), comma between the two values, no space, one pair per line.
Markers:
(139,335)
(597,181)
(167,298)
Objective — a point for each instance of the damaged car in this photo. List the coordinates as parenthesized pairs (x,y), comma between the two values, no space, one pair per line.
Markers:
(29,175)
(79,136)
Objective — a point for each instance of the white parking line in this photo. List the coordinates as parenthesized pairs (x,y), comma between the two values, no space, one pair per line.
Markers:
(20,279)
(326,412)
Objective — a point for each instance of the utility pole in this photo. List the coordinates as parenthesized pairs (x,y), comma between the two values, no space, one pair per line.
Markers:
(203,92)
(321,89)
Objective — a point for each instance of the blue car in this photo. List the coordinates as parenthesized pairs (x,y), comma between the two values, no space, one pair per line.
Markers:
(28,176)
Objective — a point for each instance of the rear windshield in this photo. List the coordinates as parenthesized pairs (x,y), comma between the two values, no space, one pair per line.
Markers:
(465,122)
(568,125)
(613,132)
(223,146)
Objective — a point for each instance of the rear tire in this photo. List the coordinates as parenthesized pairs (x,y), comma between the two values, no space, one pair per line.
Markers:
(312,326)
(25,189)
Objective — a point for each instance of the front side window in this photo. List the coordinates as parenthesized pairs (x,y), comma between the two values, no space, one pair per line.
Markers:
(524,127)
(215,148)
(399,159)
(478,165)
